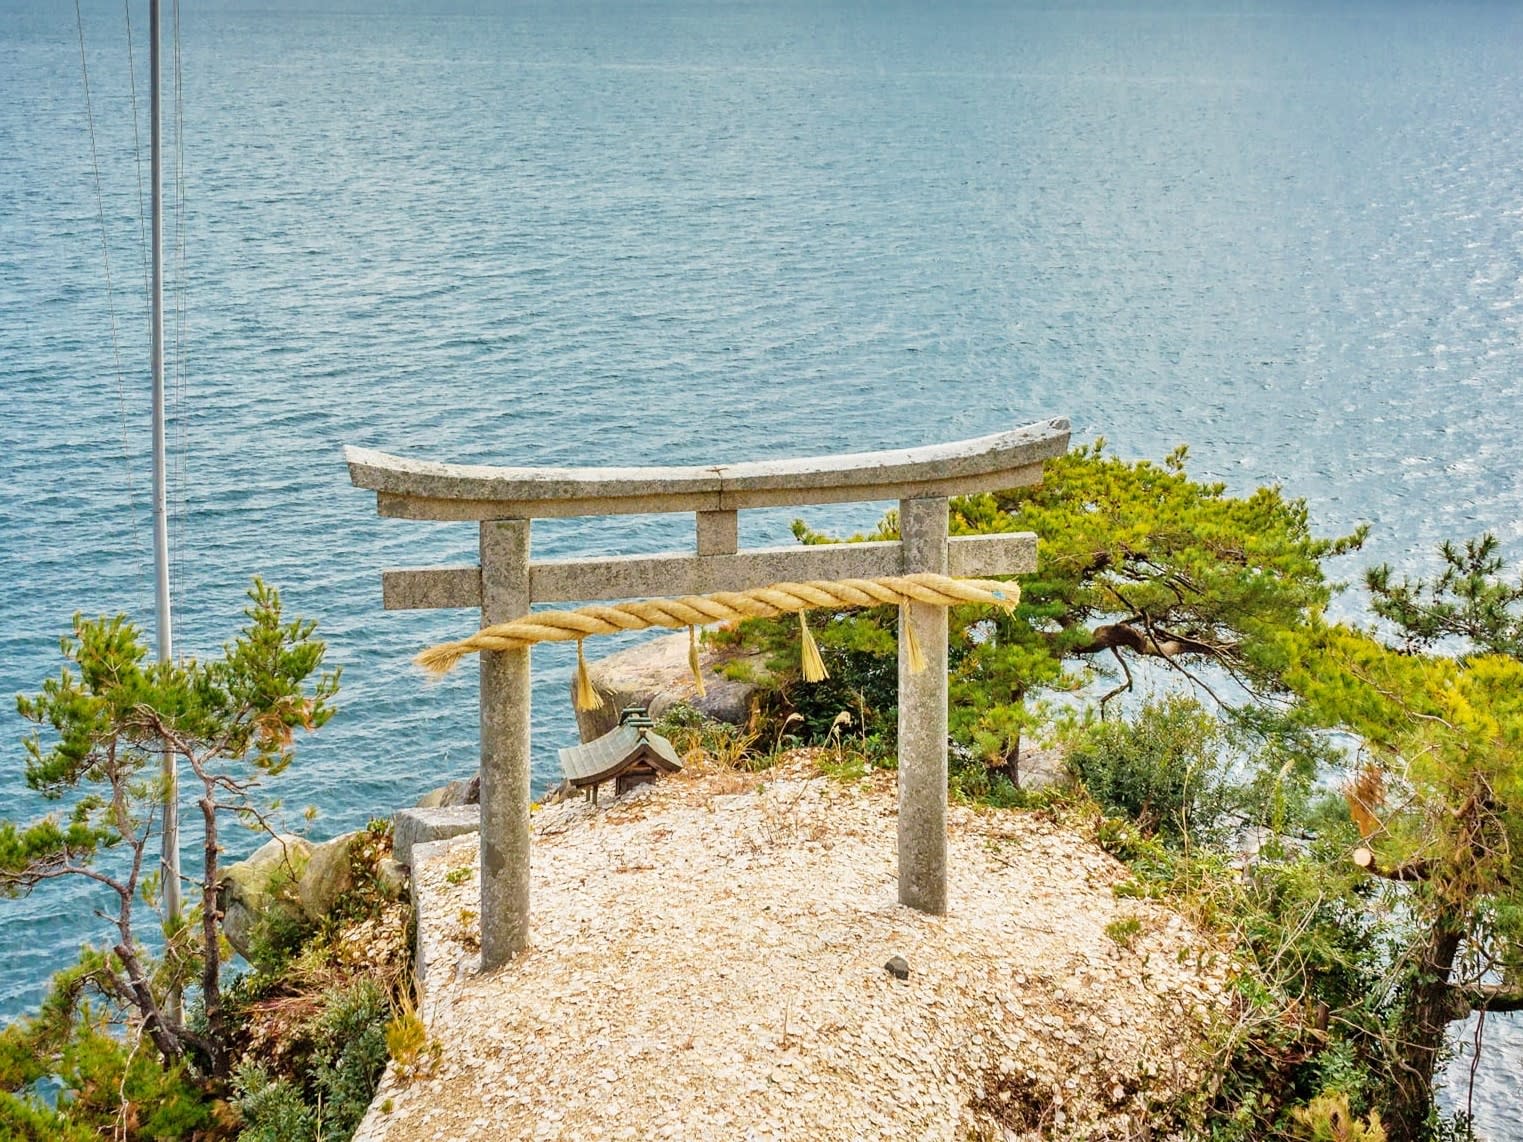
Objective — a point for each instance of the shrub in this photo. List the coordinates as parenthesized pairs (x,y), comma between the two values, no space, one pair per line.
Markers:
(350,1050)
(1327,1118)
(342,1068)
(273,1109)
(1162,770)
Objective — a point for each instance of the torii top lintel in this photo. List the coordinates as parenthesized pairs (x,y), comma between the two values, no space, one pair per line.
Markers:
(424,489)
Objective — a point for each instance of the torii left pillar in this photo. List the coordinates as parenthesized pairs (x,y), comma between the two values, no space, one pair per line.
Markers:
(505,689)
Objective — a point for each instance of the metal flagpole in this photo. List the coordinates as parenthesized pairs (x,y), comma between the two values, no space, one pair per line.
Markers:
(171,853)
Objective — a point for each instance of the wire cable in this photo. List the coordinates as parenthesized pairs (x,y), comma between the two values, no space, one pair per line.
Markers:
(177,464)
(137,156)
(116,347)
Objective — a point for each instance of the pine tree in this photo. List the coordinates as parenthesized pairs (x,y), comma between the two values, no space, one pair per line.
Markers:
(103,724)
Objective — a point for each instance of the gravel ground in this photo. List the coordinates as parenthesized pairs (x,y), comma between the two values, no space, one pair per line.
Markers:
(708,957)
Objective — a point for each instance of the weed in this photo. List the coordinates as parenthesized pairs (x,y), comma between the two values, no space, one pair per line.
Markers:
(1327,1118)
(1124,931)
(468,928)
(842,766)
(707,746)
(412,1051)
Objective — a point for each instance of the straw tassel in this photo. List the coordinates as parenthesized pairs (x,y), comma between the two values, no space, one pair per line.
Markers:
(586,694)
(692,661)
(814,665)
(914,658)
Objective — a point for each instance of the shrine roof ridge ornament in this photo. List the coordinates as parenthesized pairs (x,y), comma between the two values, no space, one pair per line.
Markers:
(424,489)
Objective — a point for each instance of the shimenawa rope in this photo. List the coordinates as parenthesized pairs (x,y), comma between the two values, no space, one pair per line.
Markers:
(692,611)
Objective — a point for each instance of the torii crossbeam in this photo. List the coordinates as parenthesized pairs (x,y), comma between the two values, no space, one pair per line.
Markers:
(507,581)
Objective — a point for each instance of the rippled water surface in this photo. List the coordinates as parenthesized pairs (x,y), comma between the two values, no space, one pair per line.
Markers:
(672,232)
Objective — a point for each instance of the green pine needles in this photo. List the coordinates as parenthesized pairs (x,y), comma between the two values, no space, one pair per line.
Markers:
(102,727)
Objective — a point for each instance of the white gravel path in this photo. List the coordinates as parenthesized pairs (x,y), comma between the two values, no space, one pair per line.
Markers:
(707,962)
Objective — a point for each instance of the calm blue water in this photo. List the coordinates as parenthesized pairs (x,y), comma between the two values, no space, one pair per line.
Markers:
(674,231)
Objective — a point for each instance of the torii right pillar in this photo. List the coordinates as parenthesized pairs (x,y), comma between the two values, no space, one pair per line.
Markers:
(923,716)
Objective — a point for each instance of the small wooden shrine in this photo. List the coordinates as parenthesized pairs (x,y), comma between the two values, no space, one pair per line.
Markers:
(630,754)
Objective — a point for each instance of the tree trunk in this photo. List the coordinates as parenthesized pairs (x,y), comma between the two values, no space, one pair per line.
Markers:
(1420,1031)
(211,965)
(165,1039)
(1010,765)
(139,989)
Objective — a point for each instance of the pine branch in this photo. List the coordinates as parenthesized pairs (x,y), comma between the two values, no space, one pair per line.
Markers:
(1491,996)
(1414,870)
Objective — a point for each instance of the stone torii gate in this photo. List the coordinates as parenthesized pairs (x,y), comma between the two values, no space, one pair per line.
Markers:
(503,501)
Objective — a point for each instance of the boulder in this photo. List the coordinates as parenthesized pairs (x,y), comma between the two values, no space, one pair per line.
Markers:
(1041,767)
(327,876)
(466,791)
(266,879)
(392,877)
(290,874)
(656,675)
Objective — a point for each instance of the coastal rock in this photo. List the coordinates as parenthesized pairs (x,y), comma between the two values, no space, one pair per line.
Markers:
(466,791)
(293,876)
(1041,767)
(656,675)
(392,877)
(327,876)
(265,880)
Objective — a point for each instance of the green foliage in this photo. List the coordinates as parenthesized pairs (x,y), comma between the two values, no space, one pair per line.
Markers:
(367,892)
(1167,561)
(112,712)
(1307,979)
(349,1040)
(1469,602)
(276,937)
(1348,981)
(694,736)
(1124,932)
(102,726)
(859,651)
(1436,808)
(1136,563)
(1439,805)
(27,1119)
(317,1020)
(1327,1118)
(279,935)
(1177,783)
(406,1037)
(104,1057)
(1450,733)
(273,1109)
(103,1083)
(1163,769)
(344,1052)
